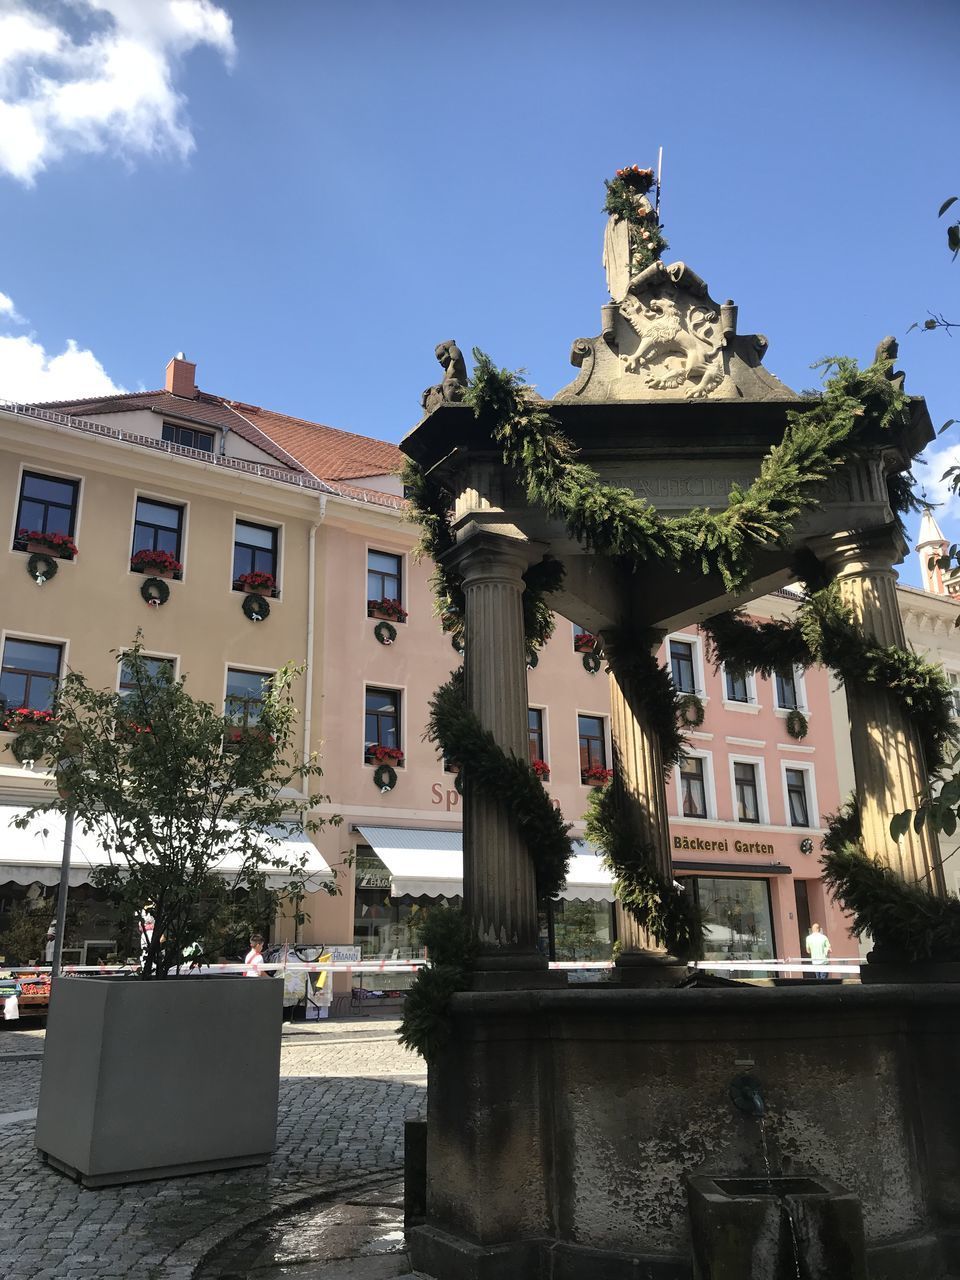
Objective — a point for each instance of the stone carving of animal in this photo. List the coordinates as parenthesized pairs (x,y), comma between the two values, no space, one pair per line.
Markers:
(674,349)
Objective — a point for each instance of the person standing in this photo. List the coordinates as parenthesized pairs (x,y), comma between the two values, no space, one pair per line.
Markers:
(254,958)
(818,948)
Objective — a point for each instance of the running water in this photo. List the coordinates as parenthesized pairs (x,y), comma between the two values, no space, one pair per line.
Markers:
(794,1242)
(765,1153)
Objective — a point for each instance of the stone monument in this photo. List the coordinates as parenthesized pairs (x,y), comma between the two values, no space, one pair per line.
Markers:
(563,1124)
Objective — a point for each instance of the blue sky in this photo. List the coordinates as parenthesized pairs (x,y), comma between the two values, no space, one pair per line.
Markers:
(307,195)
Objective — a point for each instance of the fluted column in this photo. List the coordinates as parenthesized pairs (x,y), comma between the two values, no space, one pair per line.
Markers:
(499,886)
(638,773)
(887,760)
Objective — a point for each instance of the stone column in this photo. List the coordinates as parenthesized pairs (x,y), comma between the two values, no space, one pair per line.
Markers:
(638,780)
(499,886)
(887,761)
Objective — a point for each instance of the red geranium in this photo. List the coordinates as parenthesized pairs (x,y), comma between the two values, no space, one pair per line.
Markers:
(60,543)
(385,755)
(596,776)
(386,608)
(541,769)
(162,561)
(584,642)
(27,718)
(259,580)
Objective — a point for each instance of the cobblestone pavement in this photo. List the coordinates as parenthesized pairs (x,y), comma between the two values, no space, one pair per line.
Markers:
(345,1091)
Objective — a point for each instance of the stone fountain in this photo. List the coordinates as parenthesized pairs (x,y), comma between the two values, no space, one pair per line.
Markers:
(565,1126)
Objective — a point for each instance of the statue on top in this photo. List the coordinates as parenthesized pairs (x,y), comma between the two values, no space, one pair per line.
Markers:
(634,237)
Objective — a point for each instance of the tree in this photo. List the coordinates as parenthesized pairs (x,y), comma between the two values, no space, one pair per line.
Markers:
(170,787)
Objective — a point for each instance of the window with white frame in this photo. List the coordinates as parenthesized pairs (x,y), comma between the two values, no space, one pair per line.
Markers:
(954,678)
(737,686)
(798,797)
(788,689)
(29,674)
(746,789)
(693,788)
(683,666)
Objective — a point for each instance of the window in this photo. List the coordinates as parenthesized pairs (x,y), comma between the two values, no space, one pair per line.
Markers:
(535,725)
(745,786)
(693,792)
(47,504)
(254,550)
(681,665)
(738,917)
(954,691)
(244,701)
(787,691)
(381,721)
(158,527)
(188,437)
(593,743)
(384,576)
(155,670)
(29,675)
(797,806)
(737,688)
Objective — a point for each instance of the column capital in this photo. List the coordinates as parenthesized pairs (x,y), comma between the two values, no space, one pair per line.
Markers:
(486,557)
(854,553)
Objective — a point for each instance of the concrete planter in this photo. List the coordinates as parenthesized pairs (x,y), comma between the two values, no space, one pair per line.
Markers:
(153,1079)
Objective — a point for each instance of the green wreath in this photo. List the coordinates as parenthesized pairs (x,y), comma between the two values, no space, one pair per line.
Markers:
(255,607)
(797,725)
(691,710)
(532,659)
(385,777)
(27,746)
(41,567)
(385,632)
(591,663)
(458,783)
(456,643)
(155,591)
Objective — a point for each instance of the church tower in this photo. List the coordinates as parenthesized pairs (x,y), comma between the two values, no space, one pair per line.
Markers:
(931,543)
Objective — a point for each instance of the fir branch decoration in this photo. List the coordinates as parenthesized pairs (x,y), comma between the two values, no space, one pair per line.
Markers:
(626,202)
(455,729)
(662,906)
(452,949)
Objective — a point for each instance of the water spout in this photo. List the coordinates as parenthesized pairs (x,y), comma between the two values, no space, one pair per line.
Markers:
(746,1094)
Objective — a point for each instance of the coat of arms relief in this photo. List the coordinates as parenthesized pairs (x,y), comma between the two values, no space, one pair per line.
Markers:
(680,342)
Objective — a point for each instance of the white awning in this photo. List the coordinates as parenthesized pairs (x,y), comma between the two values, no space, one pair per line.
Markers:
(34,854)
(429,864)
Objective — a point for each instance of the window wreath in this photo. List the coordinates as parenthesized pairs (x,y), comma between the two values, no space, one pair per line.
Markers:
(806,845)
(456,643)
(692,710)
(797,725)
(155,591)
(385,777)
(255,607)
(591,663)
(42,567)
(385,632)
(532,659)
(27,746)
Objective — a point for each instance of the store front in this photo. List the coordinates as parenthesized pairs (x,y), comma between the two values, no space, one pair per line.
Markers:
(403,873)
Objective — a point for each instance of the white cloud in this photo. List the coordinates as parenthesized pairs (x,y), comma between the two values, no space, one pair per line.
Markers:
(29,373)
(8,312)
(935,488)
(99,78)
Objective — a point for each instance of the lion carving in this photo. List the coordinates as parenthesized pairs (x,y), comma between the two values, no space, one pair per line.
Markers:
(677,347)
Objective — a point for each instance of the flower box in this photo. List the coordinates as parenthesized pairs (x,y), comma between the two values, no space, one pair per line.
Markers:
(157,564)
(385,755)
(596,776)
(541,769)
(26,720)
(584,642)
(386,610)
(256,583)
(48,544)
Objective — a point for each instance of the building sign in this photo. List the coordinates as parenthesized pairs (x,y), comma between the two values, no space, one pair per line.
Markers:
(694,844)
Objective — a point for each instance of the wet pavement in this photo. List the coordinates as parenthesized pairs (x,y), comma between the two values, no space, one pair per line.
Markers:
(346,1088)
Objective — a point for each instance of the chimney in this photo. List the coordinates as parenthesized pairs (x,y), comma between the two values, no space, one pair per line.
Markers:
(182,377)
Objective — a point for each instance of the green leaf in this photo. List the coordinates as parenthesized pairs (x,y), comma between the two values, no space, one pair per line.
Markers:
(953,237)
(948,822)
(915,325)
(919,818)
(900,824)
(945,206)
(949,423)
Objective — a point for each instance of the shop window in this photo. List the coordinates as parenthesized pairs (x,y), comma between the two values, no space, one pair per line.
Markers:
(798,805)
(737,686)
(682,666)
(245,693)
(158,527)
(254,551)
(384,576)
(747,793)
(29,675)
(382,723)
(535,726)
(593,743)
(786,682)
(738,919)
(47,504)
(693,790)
(188,437)
(578,930)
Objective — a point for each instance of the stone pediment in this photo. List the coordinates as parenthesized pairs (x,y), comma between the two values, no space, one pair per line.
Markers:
(667,339)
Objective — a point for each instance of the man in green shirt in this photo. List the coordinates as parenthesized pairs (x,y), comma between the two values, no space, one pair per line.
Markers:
(818,948)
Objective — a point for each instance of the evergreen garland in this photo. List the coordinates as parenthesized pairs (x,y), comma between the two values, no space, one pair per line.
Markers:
(626,202)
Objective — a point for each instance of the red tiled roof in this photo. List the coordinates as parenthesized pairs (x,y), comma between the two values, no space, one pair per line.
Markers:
(325,452)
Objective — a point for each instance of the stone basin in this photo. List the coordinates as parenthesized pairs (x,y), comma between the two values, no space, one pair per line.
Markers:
(773,1186)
